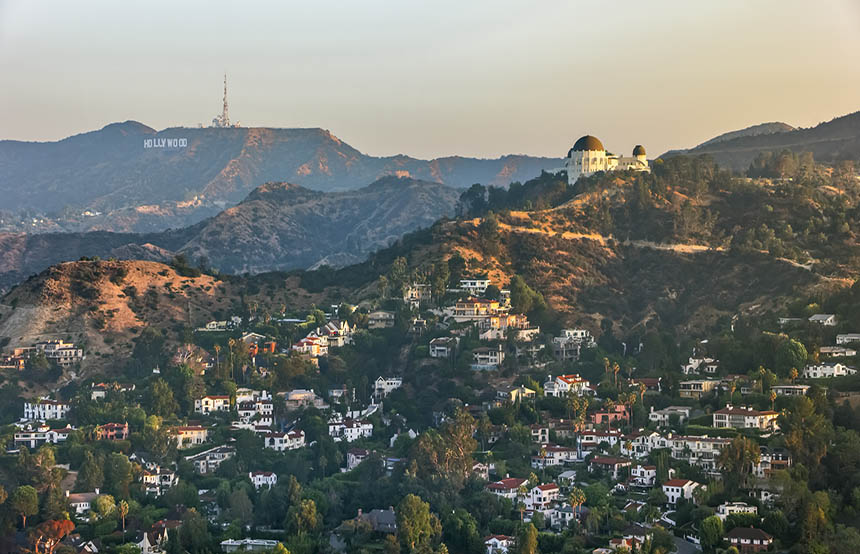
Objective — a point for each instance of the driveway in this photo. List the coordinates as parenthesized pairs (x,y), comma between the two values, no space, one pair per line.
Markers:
(685,547)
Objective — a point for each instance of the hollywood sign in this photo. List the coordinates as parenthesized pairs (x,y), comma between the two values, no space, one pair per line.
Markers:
(165,143)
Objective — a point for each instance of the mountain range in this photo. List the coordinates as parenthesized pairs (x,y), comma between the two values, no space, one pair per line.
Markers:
(829,142)
(279,226)
(130,177)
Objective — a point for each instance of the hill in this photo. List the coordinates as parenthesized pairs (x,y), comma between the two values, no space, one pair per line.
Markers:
(279,226)
(831,141)
(126,186)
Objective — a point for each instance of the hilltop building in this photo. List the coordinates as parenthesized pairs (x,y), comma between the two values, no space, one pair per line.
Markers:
(588,156)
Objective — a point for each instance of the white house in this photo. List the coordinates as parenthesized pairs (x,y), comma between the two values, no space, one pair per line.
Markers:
(643,476)
(498,544)
(62,353)
(563,384)
(284,441)
(826,370)
(380,320)
(726,509)
(506,488)
(662,417)
(474,286)
(212,403)
(837,351)
(383,386)
(44,409)
(350,430)
(677,489)
(700,365)
(209,460)
(790,390)
(827,320)
(81,502)
(262,479)
(847,338)
(443,347)
(33,438)
(487,358)
(744,417)
(541,497)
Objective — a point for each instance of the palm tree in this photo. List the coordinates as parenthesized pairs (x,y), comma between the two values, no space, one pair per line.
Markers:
(615,369)
(122,508)
(217,357)
(792,374)
(642,389)
(521,504)
(772,398)
(576,499)
(542,455)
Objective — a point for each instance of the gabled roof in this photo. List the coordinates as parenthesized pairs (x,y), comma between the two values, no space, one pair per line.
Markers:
(678,483)
(748,533)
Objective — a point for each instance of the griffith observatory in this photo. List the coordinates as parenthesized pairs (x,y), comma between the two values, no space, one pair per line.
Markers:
(588,156)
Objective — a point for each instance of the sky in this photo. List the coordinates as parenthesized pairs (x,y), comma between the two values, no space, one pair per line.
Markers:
(435,78)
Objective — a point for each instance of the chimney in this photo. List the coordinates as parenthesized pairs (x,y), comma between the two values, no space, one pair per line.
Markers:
(97,490)
(67,494)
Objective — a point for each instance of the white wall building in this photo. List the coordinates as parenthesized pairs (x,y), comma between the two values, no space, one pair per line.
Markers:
(262,479)
(284,441)
(45,408)
(350,430)
(588,156)
(726,509)
(561,385)
(212,403)
(383,386)
(677,489)
(826,370)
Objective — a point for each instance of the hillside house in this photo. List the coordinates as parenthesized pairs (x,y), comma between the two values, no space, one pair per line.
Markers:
(826,320)
(487,358)
(354,457)
(511,394)
(554,455)
(349,430)
(613,466)
(827,370)
(499,544)
(643,476)
(301,398)
(190,435)
(61,352)
(99,391)
(847,338)
(679,489)
(283,441)
(697,389)
(790,390)
(663,417)
(380,320)
(208,461)
(112,432)
(44,409)
(506,488)
(726,509)
(212,403)
(476,286)
(81,502)
(837,351)
(653,385)
(158,480)
(33,438)
(262,479)
(700,365)
(383,386)
(744,417)
(564,384)
(312,346)
(443,347)
(749,540)
(541,497)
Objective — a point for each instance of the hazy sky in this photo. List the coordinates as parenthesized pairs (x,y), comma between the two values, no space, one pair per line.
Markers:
(476,78)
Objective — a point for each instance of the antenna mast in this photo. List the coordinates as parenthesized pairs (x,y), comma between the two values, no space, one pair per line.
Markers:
(224,118)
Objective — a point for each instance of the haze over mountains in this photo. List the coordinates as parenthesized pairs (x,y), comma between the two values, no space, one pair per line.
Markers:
(131,177)
(279,226)
(833,140)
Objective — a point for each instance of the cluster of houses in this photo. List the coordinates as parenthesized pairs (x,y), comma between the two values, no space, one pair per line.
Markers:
(63,354)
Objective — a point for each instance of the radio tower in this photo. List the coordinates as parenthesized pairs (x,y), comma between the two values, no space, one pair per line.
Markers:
(224,118)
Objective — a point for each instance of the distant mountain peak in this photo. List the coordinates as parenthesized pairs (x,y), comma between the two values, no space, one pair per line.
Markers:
(129,127)
(751,131)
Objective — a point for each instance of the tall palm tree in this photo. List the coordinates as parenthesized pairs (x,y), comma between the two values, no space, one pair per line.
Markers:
(642,389)
(772,398)
(576,499)
(521,500)
(122,508)
(792,374)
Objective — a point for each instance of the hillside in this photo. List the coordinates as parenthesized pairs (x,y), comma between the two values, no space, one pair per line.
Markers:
(834,140)
(127,187)
(278,226)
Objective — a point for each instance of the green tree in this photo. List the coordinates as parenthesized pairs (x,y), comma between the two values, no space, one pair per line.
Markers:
(302,518)
(417,528)
(524,299)
(737,460)
(711,531)
(90,476)
(25,503)
(161,400)
(241,507)
(527,540)
(790,354)
(118,475)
